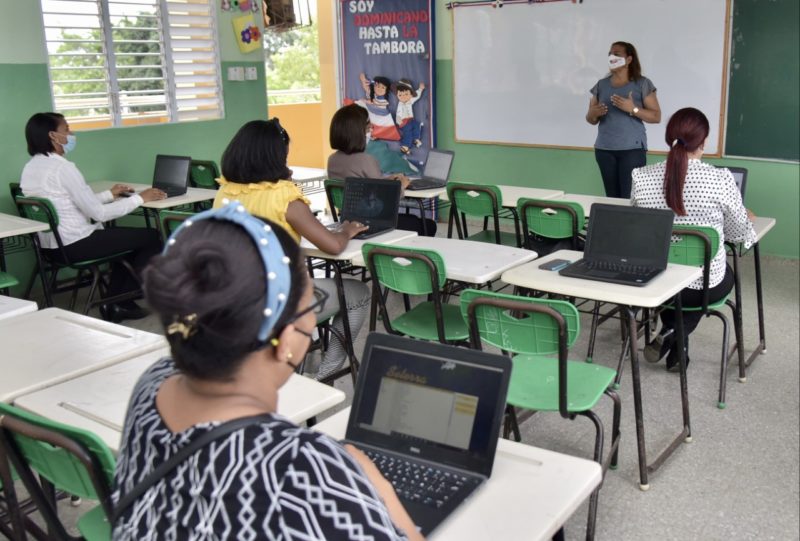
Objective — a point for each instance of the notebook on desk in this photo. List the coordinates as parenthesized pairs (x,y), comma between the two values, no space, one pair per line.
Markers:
(436,171)
(171,174)
(624,245)
(429,416)
(373,202)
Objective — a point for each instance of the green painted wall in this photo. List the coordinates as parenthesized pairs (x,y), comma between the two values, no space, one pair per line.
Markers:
(123,154)
(773,188)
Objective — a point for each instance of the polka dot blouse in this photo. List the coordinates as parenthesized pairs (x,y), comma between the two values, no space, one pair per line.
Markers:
(710,197)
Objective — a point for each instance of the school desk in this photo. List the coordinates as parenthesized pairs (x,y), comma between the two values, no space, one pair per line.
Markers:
(14,226)
(586,201)
(12,307)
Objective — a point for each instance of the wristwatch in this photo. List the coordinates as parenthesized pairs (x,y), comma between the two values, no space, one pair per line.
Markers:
(635,111)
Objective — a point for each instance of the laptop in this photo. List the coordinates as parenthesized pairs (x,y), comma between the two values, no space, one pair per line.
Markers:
(624,245)
(740,177)
(171,174)
(373,202)
(436,171)
(429,416)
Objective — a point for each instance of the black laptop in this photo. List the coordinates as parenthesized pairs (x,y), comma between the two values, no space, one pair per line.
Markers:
(429,416)
(624,245)
(171,174)
(436,171)
(373,202)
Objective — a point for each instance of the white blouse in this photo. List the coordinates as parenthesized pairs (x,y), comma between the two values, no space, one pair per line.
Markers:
(710,198)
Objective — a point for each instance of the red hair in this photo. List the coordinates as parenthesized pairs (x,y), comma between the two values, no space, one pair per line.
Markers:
(686,131)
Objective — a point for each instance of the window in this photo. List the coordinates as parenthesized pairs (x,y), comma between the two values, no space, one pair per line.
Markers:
(131,62)
(292,65)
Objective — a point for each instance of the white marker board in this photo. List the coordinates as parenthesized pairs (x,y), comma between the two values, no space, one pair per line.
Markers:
(522,72)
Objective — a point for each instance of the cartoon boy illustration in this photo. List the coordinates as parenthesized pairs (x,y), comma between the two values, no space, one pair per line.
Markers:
(410,128)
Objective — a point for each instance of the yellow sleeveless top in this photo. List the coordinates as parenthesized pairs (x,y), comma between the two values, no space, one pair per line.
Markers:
(263,199)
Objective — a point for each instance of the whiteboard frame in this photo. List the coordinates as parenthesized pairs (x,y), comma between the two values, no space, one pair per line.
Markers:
(723,105)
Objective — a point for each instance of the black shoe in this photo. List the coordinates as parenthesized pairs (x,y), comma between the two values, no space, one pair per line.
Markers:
(673,365)
(660,346)
(116,313)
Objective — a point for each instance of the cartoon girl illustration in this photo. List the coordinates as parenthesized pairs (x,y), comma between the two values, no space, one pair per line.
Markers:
(376,103)
(410,128)
(376,90)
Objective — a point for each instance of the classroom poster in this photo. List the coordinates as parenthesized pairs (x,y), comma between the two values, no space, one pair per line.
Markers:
(387,67)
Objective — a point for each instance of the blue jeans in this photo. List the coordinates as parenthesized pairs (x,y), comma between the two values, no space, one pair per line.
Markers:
(616,167)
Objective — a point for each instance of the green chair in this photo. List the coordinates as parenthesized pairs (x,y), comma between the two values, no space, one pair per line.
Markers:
(413,272)
(42,210)
(696,246)
(550,220)
(484,202)
(204,174)
(334,190)
(7,281)
(65,458)
(171,219)
(532,330)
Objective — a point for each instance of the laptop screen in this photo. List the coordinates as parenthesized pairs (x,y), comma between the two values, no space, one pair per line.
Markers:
(171,172)
(438,164)
(437,402)
(371,201)
(631,235)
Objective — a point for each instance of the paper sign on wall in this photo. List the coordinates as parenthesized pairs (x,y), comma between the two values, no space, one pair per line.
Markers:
(247,33)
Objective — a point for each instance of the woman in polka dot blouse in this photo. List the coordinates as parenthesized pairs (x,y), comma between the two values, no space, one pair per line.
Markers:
(699,194)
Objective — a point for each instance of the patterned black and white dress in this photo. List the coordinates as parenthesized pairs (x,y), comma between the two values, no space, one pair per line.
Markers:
(710,198)
(272,480)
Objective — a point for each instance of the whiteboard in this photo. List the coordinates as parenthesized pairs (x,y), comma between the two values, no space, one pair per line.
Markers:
(522,72)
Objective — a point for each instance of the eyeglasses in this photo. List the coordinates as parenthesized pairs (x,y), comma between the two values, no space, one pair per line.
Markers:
(284,135)
(316,307)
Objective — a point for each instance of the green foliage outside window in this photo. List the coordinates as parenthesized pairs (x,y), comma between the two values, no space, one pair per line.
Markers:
(292,65)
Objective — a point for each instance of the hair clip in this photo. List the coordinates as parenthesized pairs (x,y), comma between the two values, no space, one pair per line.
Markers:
(185,325)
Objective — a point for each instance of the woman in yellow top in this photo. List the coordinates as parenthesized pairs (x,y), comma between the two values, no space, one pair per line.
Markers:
(254,172)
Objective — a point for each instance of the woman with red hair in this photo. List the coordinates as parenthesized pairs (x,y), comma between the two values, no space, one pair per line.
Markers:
(699,194)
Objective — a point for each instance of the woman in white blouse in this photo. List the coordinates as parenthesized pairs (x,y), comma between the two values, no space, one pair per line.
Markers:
(699,194)
(81,212)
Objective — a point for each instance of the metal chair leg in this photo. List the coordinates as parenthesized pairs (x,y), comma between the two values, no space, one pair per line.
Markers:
(738,331)
(593,332)
(723,368)
(598,457)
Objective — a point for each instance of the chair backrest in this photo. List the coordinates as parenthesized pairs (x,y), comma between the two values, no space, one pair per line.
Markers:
(170,220)
(15,189)
(204,174)
(334,190)
(523,325)
(475,199)
(41,210)
(551,219)
(73,460)
(405,270)
(695,246)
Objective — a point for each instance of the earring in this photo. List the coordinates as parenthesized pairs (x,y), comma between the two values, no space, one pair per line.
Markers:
(274,342)
(289,356)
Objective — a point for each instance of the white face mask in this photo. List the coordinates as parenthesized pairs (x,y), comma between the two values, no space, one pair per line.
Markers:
(369,137)
(615,61)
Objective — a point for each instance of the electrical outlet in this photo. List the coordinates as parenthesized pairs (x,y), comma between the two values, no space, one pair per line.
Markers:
(251,73)
(236,73)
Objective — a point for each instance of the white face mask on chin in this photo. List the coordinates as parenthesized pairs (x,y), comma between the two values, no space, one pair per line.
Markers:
(615,61)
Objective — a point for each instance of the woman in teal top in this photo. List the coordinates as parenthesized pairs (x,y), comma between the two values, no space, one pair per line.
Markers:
(620,105)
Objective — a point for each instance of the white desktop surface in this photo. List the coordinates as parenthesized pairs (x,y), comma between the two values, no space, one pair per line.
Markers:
(11,226)
(307,174)
(763,225)
(430,193)
(12,307)
(660,289)
(468,260)
(511,194)
(192,195)
(353,248)
(586,201)
(529,496)
(98,401)
(43,348)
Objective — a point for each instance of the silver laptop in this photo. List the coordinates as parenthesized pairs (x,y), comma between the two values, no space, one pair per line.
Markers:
(429,416)
(436,171)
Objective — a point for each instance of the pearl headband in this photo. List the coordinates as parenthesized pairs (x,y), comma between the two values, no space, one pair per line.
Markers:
(276,263)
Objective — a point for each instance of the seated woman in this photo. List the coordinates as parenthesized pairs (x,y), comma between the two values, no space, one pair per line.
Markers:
(238,310)
(350,133)
(254,172)
(699,194)
(81,212)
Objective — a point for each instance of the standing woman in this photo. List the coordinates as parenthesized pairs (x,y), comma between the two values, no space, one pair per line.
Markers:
(621,103)
(699,194)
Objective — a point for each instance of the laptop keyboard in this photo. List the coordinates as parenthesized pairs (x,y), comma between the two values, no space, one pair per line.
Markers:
(424,184)
(419,483)
(617,267)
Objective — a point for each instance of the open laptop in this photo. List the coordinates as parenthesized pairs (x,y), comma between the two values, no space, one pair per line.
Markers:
(624,245)
(373,202)
(429,416)
(171,174)
(436,171)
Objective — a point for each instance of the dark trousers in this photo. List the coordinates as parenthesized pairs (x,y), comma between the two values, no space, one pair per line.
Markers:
(410,222)
(694,297)
(145,243)
(616,167)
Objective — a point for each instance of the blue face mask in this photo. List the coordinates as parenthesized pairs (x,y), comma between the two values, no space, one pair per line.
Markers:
(70,144)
